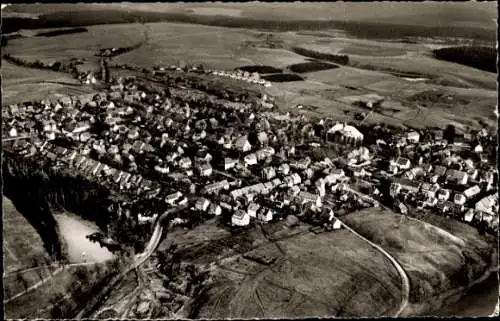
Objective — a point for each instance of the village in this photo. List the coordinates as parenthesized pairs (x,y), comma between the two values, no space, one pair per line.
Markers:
(239,158)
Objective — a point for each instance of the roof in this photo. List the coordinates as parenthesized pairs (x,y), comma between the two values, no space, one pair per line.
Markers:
(346,130)
(440,170)
(407,183)
(472,191)
(453,174)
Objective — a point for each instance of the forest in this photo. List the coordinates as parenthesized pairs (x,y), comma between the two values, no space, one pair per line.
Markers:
(479,57)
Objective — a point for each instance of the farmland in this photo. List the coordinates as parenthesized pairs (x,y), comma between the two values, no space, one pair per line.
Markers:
(385,68)
(439,266)
(291,279)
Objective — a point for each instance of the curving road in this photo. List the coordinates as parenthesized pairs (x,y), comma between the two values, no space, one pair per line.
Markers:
(140,258)
(402,273)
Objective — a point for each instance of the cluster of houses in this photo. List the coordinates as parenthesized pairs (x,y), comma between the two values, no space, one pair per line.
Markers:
(245,162)
(456,184)
(246,76)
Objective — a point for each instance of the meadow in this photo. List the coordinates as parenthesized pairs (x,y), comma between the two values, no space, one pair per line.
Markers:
(370,66)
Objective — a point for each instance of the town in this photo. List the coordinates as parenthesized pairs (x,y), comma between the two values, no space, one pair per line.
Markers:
(157,146)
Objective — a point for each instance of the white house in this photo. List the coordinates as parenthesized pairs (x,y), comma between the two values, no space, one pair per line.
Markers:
(229,163)
(240,218)
(337,224)
(253,208)
(268,173)
(185,162)
(472,191)
(413,137)
(443,194)
(266,215)
(205,169)
(202,204)
(250,159)
(284,169)
(172,198)
(214,209)
(242,144)
(469,215)
(459,199)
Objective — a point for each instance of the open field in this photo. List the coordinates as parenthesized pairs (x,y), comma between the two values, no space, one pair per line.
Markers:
(434,262)
(22,84)
(385,68)
(58,295)
(22,246)
(292,280)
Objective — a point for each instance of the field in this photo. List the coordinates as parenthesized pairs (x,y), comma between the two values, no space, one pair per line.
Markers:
(22,85)
(59,295)
(394,69)
(434,262)
(22,246)
(292,280)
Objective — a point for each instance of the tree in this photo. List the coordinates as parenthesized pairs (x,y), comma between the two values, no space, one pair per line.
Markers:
(449,133)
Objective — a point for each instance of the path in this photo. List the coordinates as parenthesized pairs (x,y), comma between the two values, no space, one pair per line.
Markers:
(138,260)
(402,273)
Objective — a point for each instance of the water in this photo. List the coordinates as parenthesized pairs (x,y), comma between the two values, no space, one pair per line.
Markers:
(74,231)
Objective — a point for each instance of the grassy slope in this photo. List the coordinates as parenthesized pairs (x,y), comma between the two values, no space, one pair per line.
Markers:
(312,274)
(434,263)
(61,291)
(21,243)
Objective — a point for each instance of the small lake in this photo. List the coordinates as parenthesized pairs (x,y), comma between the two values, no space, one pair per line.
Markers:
(74,230)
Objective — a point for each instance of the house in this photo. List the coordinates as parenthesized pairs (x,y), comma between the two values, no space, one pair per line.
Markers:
(472,191)
(303,163)
(459,199)
(309,198)
(439,170)
(268,173)
(337,224)
(443,194)
(265,215)
(253,208)
(413,137)
(284,169)
(402,163)
(229,163)
(426,167)
(240,218)
(202,204)
(214,209)
(407,185)
(262,138)
(469,215)
(488,204)
(205,169)
(242,144)
(215,187)
(431,201)
(457,177)
(345,134)
(185,162)
(250,159)
(172,198)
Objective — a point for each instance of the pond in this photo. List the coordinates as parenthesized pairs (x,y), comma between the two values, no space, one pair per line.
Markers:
(73,231)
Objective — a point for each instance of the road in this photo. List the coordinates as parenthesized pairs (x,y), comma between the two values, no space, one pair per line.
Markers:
(140,258)
(402,273)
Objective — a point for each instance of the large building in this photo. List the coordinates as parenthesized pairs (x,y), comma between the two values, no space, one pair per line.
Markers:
(345,134)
